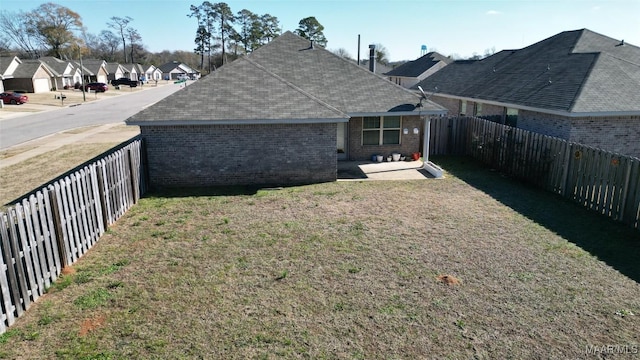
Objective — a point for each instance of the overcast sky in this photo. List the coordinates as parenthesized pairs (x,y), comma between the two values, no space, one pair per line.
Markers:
(460,27)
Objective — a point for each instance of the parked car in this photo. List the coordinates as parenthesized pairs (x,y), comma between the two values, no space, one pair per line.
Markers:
(124,81)
(13,98)
(96,86)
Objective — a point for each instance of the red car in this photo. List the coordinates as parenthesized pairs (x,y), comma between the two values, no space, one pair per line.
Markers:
(96,86)
(13,98)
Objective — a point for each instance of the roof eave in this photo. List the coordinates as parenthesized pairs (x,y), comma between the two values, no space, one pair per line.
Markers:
(235,122)
(400,113)
(546,111)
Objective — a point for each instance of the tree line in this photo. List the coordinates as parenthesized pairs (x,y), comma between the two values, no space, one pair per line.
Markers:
(55,30)
(219,31)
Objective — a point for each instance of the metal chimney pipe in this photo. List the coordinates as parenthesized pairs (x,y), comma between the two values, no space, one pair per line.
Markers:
(372,58)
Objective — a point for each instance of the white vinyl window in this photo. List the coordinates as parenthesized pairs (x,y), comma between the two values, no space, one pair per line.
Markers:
(377,130)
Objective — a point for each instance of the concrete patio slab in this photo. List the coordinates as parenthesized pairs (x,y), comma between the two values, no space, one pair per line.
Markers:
(393,170)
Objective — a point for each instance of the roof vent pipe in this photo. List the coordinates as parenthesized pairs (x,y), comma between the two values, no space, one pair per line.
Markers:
(311,45)
(372,58)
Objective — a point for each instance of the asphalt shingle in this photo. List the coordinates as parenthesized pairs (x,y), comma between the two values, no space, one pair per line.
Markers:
(419,66)
(575,71)
(285,80)
(242,91)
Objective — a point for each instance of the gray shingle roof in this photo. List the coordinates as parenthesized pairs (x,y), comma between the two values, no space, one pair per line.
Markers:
(5,61)
(576,71)
(417,67)
(285,81)
(92,65)
(337,81)
(27,69)
(240,92)
(167,67)
(58,66)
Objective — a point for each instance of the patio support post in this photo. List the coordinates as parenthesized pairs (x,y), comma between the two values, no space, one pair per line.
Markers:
(427,135)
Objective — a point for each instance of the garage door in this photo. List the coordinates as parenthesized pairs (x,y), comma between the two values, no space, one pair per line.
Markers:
(103,79)
(41,85)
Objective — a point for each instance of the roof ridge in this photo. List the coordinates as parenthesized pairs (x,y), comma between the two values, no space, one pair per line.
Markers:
(293,86)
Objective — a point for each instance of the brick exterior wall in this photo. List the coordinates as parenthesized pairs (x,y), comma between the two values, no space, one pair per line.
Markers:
(409,143)
(182,156)
(552,125)
(619,134)
(615,134)
(453,105)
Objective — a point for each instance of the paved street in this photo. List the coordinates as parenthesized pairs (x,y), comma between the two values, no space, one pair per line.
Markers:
(18,128)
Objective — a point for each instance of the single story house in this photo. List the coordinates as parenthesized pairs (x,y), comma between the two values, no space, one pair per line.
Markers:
(577,85)
(94,70)
(412,72)
(30,76)
(133,71)
(282,115)
(115,71)
(174,70)
(66,74)
(152,73)
(8,64)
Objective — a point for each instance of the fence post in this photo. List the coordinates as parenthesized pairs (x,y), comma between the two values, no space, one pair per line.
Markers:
(565,169)
(57,222)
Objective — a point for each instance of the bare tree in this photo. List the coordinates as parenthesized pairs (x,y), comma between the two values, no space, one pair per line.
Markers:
(54,25)
(120,25)
(134,37)
(109,43)
(16,27)
(342,52)
(382,54)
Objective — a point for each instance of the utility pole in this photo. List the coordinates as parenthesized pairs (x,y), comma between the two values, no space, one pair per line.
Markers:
(84,95)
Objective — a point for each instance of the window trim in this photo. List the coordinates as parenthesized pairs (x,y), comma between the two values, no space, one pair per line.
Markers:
(381,129)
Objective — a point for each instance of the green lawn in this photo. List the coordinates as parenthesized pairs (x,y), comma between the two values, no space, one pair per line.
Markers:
(346,270)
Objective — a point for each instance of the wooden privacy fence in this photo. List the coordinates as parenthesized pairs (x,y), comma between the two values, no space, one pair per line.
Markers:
(602,181)
(56,225)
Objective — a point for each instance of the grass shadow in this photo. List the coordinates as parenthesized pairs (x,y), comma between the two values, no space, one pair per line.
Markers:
(612,242)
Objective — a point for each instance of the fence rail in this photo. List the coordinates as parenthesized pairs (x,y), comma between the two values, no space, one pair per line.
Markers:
(54,226)
(599,180)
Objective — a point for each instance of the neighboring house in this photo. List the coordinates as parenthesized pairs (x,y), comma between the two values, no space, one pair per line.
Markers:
(152,73)
(7,66)
(94,70)
(30,76)
(577,85)
(412,72)
(65,73)
(115,71)
(281,115)
(133,71)
(174,70)
(379,68)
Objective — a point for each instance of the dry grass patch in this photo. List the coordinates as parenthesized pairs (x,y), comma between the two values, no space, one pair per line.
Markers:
(346,270)
(19,179)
